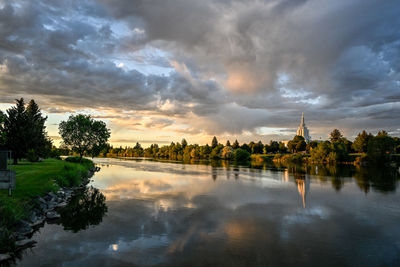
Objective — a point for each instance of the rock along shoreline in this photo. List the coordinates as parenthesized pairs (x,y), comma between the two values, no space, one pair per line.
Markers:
(43,209)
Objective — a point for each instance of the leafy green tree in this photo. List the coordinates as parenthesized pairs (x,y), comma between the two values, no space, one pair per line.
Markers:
(235,144)
(380,147)
(227,152)
(215,153)
(297,144)
(83,135)
(214,142)
(301,146)
(257,148)
(361,142)
(310,146)
(241,155)
(246,147)
(273,146)
(282,148)
(321,152)
(335,135)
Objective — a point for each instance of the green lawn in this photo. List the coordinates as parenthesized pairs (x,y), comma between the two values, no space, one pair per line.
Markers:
(35,179)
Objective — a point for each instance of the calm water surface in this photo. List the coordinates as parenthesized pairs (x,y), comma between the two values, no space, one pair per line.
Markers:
(149,213)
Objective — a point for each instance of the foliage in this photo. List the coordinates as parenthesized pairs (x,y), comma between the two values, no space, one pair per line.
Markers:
(329,152)
(361,142)
(297,144)
(312,145)
(32,156)
(227,152)
(184,143)
(2,132)
(380,147)
(23,130)
(241,155)
(235,144)
(83,135)
(214,142)
(335,135)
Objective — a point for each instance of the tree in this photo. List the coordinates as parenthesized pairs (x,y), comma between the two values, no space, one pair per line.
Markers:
(214,142)
(38,141)
(15,128)
(83,135)
(273,146)
(361,142)
(310,146)
(282,148)
(184,143)
(2,132)
(235,144)
(227,152)
(228,143)
(301,146)
(257,148)
(295,146)
(380,146)
(241,155)
(335,135)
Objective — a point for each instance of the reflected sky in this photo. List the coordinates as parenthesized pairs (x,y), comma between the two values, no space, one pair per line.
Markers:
(174,214)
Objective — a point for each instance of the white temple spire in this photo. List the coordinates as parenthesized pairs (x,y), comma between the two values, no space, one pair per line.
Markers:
(303,131)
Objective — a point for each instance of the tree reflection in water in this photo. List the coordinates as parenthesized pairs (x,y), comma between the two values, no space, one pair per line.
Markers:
(86,208)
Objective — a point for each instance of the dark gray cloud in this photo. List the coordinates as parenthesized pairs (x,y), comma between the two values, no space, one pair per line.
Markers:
(235,65)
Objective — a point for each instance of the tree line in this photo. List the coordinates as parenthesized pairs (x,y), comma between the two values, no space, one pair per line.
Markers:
(338,148)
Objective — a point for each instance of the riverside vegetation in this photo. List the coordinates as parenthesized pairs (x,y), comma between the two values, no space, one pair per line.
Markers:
(44,182)
(338,149)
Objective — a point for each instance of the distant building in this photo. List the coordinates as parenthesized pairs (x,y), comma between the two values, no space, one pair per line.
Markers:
(303,130)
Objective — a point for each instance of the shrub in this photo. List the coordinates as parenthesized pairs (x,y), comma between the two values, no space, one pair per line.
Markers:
(241,155)
(32,156)
(227,152)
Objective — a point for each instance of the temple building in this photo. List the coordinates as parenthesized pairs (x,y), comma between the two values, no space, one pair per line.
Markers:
(303,131)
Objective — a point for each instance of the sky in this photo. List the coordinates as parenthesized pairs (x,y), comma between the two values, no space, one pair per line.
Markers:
(158,71)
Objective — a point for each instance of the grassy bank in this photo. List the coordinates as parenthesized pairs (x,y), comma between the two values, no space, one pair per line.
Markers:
(36,179)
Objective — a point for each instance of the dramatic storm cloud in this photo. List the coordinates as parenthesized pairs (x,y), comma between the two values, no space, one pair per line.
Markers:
(165,69)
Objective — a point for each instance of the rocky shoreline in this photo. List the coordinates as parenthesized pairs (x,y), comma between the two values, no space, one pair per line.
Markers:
(43,209)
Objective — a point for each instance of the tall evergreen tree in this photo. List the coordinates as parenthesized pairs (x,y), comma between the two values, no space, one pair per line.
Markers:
(235,144)
(228,143)
(184,143)
(214,142)
(15,128)
(36,130)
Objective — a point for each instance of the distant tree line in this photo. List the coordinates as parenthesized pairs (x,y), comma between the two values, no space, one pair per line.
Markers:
(182,150)
(336,149)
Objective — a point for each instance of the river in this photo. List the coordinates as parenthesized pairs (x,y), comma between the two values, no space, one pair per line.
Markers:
(151,213)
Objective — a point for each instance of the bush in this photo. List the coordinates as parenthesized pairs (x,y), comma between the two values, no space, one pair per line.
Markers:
(79,160)
(32,156)
(241,155)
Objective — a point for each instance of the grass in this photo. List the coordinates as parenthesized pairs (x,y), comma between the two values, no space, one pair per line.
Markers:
(37,179)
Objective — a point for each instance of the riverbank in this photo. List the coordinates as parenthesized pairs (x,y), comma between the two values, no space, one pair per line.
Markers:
(41,187)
